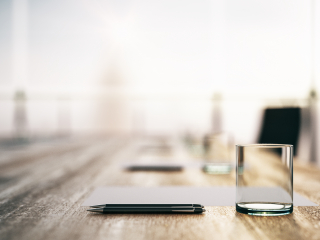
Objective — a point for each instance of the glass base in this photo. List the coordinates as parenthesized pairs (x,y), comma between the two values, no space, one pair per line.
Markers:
(264,208)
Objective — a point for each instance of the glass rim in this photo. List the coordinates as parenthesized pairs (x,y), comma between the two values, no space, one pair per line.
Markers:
(265,145)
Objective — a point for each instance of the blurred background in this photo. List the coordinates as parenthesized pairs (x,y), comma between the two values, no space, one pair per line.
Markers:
(166,68)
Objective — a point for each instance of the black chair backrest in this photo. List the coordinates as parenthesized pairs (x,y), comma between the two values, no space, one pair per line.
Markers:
(281,125)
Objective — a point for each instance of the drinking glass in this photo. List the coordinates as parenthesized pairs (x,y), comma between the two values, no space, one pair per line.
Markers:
(264,179)
(217,153)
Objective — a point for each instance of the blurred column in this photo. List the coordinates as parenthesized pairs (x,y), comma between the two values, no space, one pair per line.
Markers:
(313,126)
(217,113)
(138,121)
(20,115)
(113,116)
(64,123)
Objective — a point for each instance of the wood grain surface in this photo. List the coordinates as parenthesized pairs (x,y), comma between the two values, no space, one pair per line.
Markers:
(42,187)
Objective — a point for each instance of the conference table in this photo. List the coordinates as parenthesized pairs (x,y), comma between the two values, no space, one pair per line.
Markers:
(43,185)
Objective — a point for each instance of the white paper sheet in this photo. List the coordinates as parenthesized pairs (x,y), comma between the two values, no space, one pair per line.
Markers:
(207,196)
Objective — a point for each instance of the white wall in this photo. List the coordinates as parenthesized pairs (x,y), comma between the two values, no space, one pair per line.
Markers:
(165,58)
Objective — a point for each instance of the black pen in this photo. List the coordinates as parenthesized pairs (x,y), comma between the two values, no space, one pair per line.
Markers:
(147,210)
(150,205)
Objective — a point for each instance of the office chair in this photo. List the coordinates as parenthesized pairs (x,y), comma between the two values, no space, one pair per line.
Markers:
(281,125)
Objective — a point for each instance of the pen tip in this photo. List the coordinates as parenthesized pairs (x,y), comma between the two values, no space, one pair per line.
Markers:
(95,210)
(204,210)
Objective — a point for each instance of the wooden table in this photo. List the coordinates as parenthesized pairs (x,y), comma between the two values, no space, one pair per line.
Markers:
(42,187)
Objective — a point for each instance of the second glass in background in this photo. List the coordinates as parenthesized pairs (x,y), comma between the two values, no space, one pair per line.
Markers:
(217,153)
